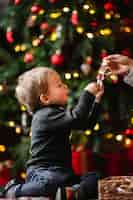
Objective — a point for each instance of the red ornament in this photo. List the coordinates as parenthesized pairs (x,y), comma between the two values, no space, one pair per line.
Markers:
(88,60)
(57,59)
(128,131)
(44,26)
(17,2)
(28,57)
(108,6)
(36,9)
(103,53)
(9,35)
(53,1)
(74,18)
(94,24)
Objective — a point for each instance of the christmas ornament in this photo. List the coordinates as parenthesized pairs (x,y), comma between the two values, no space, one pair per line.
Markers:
(36,9)
(108,6)
(28,57)
(88,60)
(128,131)
(94,24)
(17,2)
(57,59)
(58,30)
(86,69)
(9,35)
(86,66)
(38,41)
(103,53)
(74,18)
(44,26)
(114,78)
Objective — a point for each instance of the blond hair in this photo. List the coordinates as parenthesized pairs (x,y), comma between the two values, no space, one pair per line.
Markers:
(30,86)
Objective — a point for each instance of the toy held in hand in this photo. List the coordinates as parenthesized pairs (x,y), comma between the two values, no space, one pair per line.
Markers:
(103,73)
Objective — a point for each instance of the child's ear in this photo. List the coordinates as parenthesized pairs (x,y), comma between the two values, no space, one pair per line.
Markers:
(44,99)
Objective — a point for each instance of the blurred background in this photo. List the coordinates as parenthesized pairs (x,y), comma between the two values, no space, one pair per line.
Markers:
(72,37)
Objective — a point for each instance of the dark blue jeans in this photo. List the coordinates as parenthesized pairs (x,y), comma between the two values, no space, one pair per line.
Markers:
(45,181)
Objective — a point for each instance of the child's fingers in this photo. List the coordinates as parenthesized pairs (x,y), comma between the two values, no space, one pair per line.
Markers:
(99,84)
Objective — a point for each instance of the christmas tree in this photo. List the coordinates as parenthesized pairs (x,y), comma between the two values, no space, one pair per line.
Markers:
(72,37)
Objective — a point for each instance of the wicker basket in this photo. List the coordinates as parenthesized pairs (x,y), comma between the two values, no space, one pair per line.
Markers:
(116,188)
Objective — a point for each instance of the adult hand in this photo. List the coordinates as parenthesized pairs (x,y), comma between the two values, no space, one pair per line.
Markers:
(96,90)
(118,64)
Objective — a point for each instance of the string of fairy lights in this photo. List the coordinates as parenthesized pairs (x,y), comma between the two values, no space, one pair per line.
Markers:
(53,33)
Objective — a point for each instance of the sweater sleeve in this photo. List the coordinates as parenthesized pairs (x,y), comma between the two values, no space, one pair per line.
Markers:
(83,116)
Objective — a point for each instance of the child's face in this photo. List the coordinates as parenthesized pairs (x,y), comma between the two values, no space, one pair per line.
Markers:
(57,91)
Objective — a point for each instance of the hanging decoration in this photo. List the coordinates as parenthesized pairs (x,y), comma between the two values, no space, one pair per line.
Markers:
(10,35)
(57,59)
(28,58)
(74,18)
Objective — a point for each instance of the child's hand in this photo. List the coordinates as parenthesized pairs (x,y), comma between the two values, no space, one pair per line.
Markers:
(96,90)
(99,93)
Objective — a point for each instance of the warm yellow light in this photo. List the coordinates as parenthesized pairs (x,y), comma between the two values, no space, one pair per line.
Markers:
(106,31)
(23,108)
(88,132)
(119,137)
(102,31)
(53,36)
(97,127)
(66,9)
(23,47)
(128,142)
(2,148)
(131,120)
(127,29)
(109,136)
(23,175)
(92,11)
(11,123)
(33,17)
(17,48)
(1,88)
(114,77)
(80,29)
(76,75)
(41,12)
(117,15)
(35,42)
(18,130)
(55,15)
(86,6)
(68,76)
(107,16)
(90,35)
